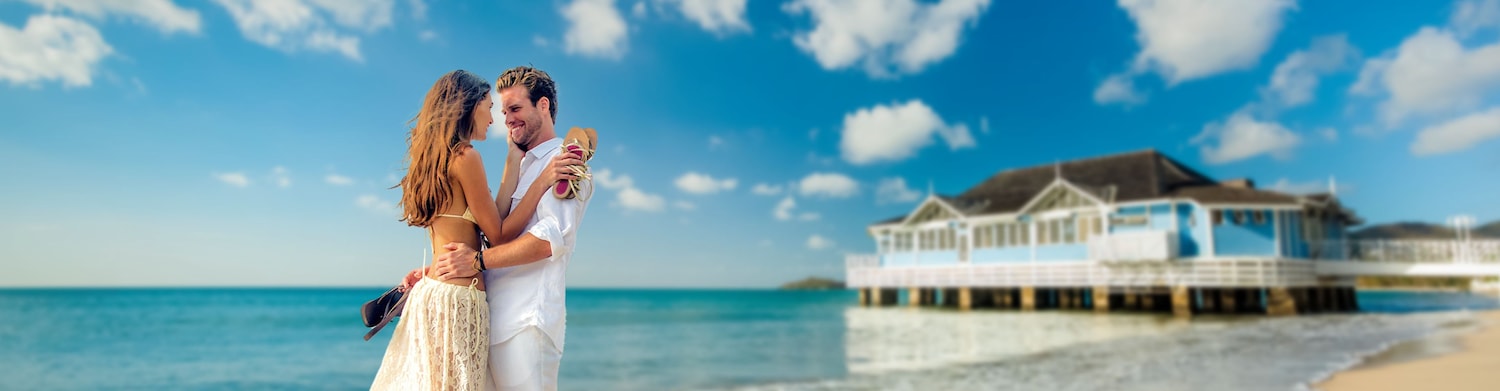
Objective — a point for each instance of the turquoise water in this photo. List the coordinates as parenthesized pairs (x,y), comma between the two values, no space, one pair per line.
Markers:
(218,339)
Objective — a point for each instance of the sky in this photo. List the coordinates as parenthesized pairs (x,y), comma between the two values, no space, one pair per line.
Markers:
(742,144)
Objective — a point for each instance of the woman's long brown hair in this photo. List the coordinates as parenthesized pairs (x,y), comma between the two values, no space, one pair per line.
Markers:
(439,131)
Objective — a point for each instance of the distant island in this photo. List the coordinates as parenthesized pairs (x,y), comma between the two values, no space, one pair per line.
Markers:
(1418,231)
(813,284)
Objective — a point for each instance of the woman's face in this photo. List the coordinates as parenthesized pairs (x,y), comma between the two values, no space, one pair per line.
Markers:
(482,119)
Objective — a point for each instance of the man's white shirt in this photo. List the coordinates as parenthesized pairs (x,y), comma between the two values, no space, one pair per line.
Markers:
(532,295)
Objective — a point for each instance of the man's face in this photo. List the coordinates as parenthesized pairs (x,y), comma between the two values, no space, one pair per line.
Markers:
(522,119)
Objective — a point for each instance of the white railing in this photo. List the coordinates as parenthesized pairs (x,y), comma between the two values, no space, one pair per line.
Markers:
(861,272)
(1411,251)
(1142,246)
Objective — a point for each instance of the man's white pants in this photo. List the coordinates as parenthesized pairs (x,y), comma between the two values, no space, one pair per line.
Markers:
(526,362)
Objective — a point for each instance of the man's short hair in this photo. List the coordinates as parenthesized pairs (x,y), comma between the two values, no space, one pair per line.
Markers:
(537,84)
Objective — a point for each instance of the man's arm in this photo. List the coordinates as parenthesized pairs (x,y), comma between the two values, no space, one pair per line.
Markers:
(459,261)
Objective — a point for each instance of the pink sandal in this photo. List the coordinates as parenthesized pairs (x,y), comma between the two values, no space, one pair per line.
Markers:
(580,141)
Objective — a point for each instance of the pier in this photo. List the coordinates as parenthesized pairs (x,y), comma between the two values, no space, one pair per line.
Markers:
(1139,232)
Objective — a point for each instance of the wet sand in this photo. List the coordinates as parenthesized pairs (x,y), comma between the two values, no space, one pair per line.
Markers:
(1447,361)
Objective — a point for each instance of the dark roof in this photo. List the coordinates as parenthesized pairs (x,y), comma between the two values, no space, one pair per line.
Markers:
(1232,195)
(1131,176)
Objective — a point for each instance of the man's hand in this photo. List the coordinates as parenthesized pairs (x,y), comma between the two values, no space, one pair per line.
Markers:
(457,263)
(412,278)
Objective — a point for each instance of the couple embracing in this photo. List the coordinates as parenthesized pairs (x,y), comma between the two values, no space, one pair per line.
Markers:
(488,318)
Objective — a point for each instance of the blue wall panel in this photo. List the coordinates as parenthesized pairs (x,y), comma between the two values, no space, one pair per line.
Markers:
(1062,252)
(1246,238)
(1001,255)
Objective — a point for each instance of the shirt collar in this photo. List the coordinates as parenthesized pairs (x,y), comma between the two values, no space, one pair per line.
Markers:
(545,147)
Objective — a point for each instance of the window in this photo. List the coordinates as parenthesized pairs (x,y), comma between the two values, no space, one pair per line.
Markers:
(1259,217)
(1069,230)
(1238,217)
(1217,216)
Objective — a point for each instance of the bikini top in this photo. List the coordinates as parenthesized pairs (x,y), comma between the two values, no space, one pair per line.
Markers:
(466,216)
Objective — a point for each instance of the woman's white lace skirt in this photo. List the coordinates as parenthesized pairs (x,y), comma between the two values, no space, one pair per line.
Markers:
(441,341)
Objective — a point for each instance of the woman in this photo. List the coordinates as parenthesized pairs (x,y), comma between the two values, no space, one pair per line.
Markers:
(442,341)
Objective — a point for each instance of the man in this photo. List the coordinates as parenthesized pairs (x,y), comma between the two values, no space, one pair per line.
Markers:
(526,277)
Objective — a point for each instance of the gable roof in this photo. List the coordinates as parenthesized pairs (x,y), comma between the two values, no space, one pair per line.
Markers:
(1131,176)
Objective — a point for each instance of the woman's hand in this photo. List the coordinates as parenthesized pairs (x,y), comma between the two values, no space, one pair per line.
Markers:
(412,278)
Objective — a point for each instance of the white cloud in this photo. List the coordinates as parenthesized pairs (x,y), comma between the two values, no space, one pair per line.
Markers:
(281,177)
(766,243)
(1296,79)
(1119,88)
(338,180)
(1184,40)
(634,199)
(693,182)
(827,185)
(1470,16)
(161,14)
(884,37)
(894,190)
(375,204)
(720,17)
(786,211)
(427,36)
(895,132)
(1242,136)
(418,9)
(765,189)
(638,10)
(783,209)
(816,242)
(1458,134)
(1330,134)
(607,179)
(236,179)
(628,196)
(1430,73)
(684,205)
(595,29)
(715,142)
(984,125)
(51,48)
(313,25)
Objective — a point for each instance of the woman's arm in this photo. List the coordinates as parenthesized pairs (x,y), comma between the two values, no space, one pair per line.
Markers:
(509,179)
(468,168)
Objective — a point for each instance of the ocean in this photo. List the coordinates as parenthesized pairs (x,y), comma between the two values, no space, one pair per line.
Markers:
(635,339)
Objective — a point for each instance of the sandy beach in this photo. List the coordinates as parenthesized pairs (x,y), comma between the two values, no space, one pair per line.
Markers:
(1472,367)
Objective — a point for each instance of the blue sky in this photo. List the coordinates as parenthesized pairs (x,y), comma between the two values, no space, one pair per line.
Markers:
(743,144)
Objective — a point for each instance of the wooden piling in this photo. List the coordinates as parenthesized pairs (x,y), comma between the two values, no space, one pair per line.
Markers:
(1101,299)
(1182,302)
(1280,302)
